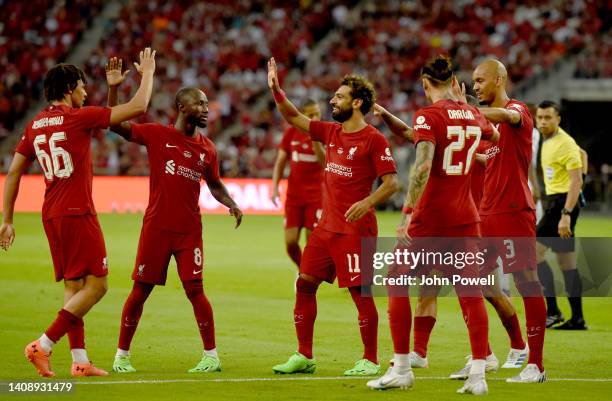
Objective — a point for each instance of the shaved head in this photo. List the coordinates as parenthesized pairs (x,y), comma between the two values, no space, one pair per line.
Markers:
(184,95)
(490,78)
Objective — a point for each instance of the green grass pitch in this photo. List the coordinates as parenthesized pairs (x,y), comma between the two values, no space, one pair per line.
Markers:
(249,281)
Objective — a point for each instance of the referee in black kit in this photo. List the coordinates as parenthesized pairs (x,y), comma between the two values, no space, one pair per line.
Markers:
(562,166)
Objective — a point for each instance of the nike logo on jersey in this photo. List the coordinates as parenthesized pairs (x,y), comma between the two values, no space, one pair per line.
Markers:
(198,271)
(354,278)
(171,146)
(331,145)
(295,142)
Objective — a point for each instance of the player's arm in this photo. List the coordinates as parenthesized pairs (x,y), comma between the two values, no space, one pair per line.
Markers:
(277,174)
(395,124)
(500,115)
(535,183)
(139,103)
(287,109)
(114,78)
(575,185)
(18,167)
(418,178)
(221,194)
(388,187)
(584,157)
(317,147)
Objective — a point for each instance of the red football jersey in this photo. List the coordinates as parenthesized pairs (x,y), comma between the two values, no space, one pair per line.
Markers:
(506,178)
(305,176)
(456,129)
(60,138)
(353,162)
(177,164)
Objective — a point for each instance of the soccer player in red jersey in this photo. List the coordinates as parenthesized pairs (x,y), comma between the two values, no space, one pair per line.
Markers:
(179,157)
(356,155)
(303,200)
(59,137)
(507,208)
(446,134)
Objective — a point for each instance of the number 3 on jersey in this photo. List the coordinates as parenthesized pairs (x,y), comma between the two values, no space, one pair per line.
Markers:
(51,165)
(457,145)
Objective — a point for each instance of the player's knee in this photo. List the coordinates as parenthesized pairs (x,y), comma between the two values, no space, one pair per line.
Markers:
(305,284)
(99,289)
(193,288)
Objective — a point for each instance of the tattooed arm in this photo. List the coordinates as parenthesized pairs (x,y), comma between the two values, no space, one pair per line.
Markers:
(418,179)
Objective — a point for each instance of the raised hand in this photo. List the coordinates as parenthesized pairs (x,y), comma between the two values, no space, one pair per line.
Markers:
(273,76)
(377,109)
(114,76)
(7,236)
(458,91)
(147,61)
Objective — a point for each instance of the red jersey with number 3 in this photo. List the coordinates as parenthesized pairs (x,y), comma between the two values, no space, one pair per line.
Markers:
(456,130)
(506,178)
(353,162)
(305,178)
(60,138)
(177,163)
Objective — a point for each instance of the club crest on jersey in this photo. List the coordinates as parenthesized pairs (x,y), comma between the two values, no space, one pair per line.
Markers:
(201,162)
(187,154)
(170,167)
(140,270)
(351,153)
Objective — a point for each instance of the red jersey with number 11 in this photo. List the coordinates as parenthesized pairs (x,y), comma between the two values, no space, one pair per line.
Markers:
(456,130)
(60,138)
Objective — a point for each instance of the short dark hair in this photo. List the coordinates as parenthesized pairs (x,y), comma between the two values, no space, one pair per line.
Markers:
(308,103)
(438,69)
(362,89)
(547,104)
(182,94)
(62,79)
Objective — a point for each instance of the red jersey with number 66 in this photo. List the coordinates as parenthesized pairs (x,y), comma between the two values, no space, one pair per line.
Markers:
(456,130)
(60,138)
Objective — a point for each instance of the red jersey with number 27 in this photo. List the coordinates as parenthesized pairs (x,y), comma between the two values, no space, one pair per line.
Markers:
(456,130)
(60,138)
(177,163)
(353,162)
(506,187)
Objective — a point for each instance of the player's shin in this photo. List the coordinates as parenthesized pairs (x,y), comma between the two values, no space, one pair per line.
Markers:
(203,313)
(535,314)
(305,313)
(368,321)
(132,311)
(400,320)
(475,316)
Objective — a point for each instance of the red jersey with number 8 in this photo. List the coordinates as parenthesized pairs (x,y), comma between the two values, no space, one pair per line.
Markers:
(60,138)
(456,130)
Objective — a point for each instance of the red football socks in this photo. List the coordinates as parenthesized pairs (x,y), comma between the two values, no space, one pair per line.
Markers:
(304,314)
(423,325)
(535,313)
(514,332)
(76,335)
(203,312)
(64,322)
(475,316)
(132,310)
(400,320)
(368,323)
(295,253)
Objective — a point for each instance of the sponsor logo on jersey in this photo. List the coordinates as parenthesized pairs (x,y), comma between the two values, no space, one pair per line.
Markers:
(303,157)
(170,167)
(187,154)
(421,123)
(48,121)
(387,156)
(491,152)
(339,169)
(351,153)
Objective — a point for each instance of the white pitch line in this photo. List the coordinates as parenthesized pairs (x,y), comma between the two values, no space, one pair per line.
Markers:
(301,378)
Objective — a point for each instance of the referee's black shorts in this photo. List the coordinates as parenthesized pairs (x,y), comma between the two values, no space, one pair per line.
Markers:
(547,229)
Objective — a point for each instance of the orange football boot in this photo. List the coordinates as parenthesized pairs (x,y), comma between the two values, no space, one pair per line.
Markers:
(39,358)
(86,369)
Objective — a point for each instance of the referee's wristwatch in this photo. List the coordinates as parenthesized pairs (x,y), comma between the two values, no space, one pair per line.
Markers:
(564,211)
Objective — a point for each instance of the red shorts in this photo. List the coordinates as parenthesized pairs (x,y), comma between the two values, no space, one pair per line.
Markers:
(511,236)
(155,249)
(77,246)
(302,215)
(329,255)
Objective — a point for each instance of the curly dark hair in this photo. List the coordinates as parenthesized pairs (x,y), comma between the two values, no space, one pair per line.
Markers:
(62,79)
(438,69)
(362,89)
